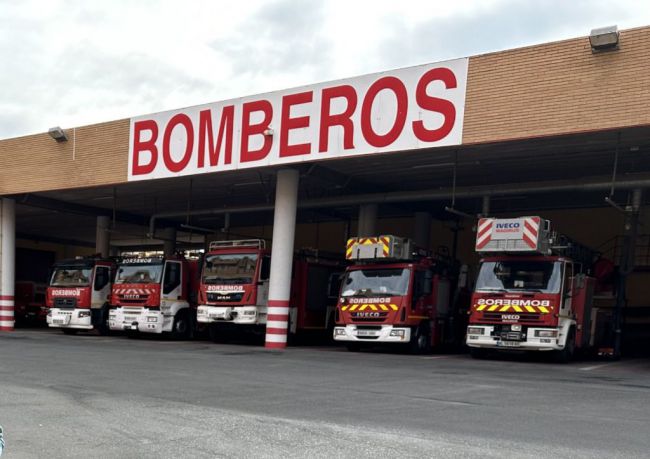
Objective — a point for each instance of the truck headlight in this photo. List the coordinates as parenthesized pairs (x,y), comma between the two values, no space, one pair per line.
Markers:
(248,313)
(475,330)
(83,314)
(201,312)
(397,333)
(339,331)
(546,333)
(152,319)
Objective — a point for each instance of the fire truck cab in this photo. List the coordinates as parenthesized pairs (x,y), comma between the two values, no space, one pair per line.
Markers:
(532,292)
(78,294)
(154,295)
(395,293)
(234,289)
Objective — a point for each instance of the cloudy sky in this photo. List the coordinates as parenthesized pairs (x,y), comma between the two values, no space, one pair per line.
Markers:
(72,63)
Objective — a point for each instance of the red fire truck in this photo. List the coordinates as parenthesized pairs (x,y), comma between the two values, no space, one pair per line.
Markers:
(78,294)
(30,306)
(155,295)
(395,293)
(235,289)
(532,292)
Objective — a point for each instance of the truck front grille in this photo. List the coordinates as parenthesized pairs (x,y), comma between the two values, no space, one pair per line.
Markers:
(65,302)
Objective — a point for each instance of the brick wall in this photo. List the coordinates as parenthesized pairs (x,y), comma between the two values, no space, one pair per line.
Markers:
(550,89)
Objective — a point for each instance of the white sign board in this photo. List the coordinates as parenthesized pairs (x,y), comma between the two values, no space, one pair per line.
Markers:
(406,109)
(503,228)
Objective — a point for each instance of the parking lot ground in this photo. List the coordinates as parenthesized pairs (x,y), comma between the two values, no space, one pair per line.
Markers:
(93,396)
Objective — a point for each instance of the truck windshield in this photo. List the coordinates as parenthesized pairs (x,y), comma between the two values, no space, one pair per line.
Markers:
(229,269)
(372,282)
(71,276)
(139,274)
(516,275)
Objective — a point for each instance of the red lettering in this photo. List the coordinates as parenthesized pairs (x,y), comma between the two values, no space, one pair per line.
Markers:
(435,104)
(225,128)
(140,145)
(287,123)
(186,122)
(398,88)
(248,129)
(327,120)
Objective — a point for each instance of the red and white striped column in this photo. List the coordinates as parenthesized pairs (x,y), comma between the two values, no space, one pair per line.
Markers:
(7,263)
(284,230)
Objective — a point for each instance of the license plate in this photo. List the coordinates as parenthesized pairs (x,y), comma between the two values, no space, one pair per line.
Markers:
(59,321)
(367,333)
(508,343)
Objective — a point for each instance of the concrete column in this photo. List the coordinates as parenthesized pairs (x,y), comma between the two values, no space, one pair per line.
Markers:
(7,263)
(422,231)
(169,241)
(284,230)
(102,236)
(367,220)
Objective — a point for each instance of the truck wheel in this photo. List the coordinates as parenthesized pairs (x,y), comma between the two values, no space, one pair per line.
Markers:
(102,327)
(566,354)
(69,331)
(421,340)
(478,353)
(181,328)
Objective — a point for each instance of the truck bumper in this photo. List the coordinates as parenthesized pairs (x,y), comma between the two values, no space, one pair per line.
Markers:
(138,319)
(387,334)
(530,343)
(242,315)
(80,319)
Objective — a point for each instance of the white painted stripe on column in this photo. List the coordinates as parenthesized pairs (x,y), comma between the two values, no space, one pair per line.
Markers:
(6,313)
(9,323)
(273,338)
(276,324)
(277,310)
(6,302)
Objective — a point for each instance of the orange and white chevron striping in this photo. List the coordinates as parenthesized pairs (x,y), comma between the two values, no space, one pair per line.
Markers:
(371,306)
(513,308)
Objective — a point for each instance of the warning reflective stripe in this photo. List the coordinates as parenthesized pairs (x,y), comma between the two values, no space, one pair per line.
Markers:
(344,308)
(516,308)
(276,324)
(354,307)
(383,307)
(276,338)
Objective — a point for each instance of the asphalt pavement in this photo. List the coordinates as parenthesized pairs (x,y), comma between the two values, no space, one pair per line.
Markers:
(91,396)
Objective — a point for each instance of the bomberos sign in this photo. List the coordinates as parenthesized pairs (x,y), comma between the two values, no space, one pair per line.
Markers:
(400,110)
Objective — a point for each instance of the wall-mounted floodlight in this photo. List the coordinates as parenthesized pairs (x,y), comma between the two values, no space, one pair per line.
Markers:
(604,39)
(57,134)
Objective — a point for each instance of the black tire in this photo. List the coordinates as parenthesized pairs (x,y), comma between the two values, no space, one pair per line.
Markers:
(421,340)
(102,326)
(478,353)
(182,327)
(353,347)
(69,331)
(567,354)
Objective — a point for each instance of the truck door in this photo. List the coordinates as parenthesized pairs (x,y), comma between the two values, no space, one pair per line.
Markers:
(172,288)
(101,287)
(567,278)
(263,282)
(421,302)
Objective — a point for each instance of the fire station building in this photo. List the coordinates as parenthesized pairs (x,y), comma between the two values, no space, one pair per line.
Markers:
(558,130)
